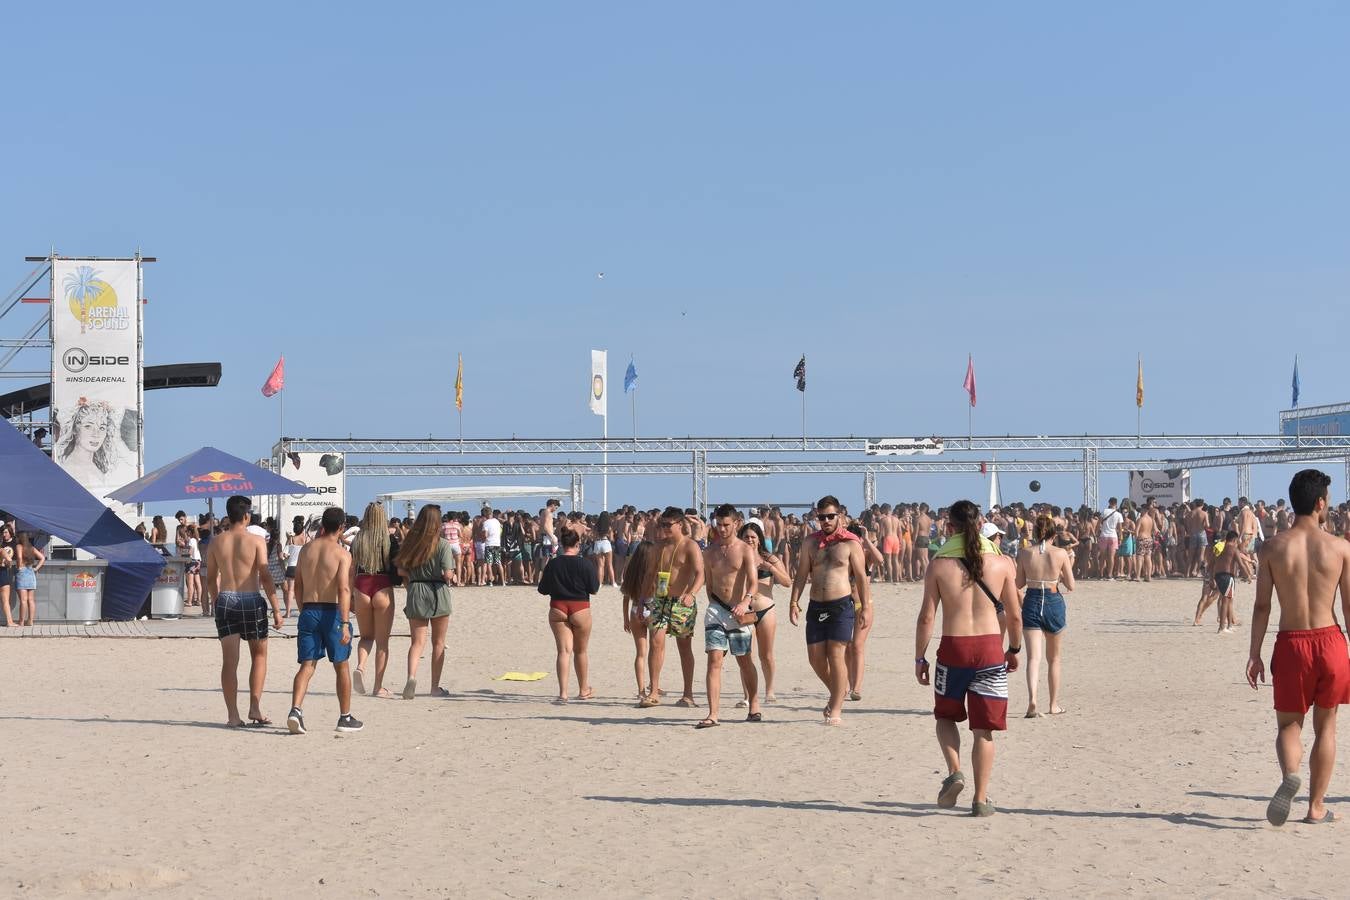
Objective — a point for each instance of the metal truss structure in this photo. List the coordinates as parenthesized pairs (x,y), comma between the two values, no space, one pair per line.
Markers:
(1258,449)
(850,444)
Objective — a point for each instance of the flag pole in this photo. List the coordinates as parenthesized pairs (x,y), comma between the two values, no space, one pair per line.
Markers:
(633,405)
(803,405)
(604,479)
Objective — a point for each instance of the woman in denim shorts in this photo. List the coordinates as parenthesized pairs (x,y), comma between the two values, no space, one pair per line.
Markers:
(1041,569)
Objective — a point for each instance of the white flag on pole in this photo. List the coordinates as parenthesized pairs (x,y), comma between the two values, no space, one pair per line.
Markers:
(599,382)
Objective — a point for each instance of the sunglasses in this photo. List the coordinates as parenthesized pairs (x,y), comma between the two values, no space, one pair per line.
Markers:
(826,517)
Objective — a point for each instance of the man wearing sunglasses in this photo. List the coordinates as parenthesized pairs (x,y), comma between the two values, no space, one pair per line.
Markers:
(674,588)
(829,559)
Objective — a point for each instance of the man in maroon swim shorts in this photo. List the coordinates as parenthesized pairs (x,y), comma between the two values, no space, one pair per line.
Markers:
(971,580)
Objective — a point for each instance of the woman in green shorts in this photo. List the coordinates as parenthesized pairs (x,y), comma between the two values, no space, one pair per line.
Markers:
(427,566)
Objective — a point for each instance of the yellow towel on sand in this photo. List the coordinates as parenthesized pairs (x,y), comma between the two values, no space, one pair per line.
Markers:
(521,676)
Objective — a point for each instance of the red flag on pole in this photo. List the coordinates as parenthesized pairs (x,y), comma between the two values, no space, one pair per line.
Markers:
(277,380)
(969,384)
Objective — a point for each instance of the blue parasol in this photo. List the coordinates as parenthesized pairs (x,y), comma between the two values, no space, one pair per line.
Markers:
(203,475)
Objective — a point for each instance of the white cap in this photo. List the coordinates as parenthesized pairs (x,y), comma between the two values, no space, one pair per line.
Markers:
(989,529)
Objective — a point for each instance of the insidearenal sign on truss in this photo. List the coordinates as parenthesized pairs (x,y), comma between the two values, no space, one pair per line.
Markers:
(903,446)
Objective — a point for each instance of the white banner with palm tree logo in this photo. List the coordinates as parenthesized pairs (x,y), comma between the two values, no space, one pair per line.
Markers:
(96,374)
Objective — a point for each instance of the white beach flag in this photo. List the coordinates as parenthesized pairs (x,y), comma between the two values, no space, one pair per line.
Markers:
(599,382)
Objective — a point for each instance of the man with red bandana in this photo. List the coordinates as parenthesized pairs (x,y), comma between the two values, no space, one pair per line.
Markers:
(829,558)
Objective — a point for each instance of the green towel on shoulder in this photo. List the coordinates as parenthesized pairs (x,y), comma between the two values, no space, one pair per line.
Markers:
(955,547)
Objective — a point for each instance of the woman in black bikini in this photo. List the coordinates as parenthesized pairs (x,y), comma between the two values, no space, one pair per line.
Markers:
(770,570)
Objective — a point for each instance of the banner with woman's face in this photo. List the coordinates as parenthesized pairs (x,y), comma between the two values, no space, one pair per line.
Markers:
(96,393)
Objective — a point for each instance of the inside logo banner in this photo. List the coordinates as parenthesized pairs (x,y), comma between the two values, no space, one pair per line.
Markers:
(904,446)
(96,404)
(325,474)
(1167,486)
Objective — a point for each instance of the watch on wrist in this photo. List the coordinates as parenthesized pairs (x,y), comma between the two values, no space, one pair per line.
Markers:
(1014,650)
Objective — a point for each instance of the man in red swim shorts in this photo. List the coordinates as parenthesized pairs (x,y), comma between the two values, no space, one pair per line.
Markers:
(1309,666)
(970,579)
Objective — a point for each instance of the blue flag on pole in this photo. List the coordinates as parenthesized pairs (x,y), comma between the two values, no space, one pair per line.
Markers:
(1295,402)
(629,378)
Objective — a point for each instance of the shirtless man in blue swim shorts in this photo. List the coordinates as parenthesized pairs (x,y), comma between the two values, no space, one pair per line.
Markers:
(323,580)
(829,558)
(971,677)
(236,564)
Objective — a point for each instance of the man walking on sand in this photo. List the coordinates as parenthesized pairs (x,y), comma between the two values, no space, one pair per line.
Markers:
(1309,667)
(323,591)
(729,564)
(829,559)
(236,564)
(968,578)
(673,587)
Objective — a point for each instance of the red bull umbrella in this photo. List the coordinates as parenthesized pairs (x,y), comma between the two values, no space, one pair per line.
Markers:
(206,474)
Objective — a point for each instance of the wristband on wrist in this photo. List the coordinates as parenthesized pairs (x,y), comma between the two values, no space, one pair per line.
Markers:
(921,661)
(1014,650)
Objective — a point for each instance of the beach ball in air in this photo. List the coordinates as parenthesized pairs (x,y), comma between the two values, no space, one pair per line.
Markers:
(1035,486)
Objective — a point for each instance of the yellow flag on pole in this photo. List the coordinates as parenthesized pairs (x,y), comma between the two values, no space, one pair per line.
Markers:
(459,385)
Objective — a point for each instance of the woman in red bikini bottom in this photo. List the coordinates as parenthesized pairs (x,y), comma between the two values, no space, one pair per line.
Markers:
(569,581)
(373,577)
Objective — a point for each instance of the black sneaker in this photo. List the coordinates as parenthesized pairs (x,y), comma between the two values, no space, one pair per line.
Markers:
(295,721)
(349,723)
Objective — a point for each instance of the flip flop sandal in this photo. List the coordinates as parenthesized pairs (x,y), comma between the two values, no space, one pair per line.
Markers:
(951,788)
(686,703)
(258,722)
(1277,811)
(1329,819)
(755,717)
(410,689)
(648,702)
(708,723)
(359,681)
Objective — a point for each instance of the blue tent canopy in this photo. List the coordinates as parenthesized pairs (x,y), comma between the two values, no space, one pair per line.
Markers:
(40,494)
(204,474)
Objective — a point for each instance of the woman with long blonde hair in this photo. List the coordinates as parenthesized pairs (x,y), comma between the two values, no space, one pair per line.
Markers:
(373,575)
(426,564)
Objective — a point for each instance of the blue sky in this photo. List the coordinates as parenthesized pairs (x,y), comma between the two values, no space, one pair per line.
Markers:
(1053,187)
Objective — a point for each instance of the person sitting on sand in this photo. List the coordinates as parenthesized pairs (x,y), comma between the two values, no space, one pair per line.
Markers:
(971,678)
(1304,566)
(569,581)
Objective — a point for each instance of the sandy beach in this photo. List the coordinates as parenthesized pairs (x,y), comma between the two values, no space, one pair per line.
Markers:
(119,779)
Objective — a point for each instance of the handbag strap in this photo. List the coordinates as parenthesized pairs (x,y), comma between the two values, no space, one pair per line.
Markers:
(980,581)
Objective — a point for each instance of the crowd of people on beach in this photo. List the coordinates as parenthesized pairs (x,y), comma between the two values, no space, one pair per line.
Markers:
(995,579)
